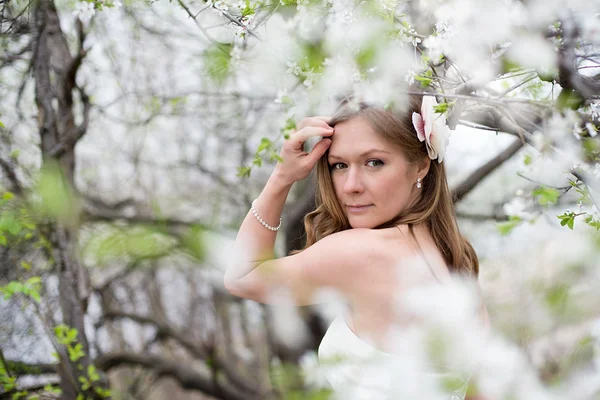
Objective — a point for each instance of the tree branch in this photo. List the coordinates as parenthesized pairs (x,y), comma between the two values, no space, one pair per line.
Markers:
(165,330)
(11,174)
(459,192)
(183,374)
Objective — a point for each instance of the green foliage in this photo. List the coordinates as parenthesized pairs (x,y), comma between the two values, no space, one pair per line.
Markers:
(366,57)
(16,225)
(193,243)
(217,61)
(443,108)
(505,228)
(546,195)
(30,288)
(266,150)
(249,9)
(535,89)
(569,99)
(7,382)
(52,390)
(65,335)
(286,377)
(56,196)
(557,298)
(568,219)
(594,223)
(509,65)
(244,171)
(314,56)
(129,244)
(426,78)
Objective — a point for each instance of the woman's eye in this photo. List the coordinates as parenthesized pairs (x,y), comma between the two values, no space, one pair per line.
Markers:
(375,163)
(338,166)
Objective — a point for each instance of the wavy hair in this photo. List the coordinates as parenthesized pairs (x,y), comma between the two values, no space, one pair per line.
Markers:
(434,207)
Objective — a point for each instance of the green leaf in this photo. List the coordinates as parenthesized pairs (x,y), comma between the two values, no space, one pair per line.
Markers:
(557,296)
(546,195)
(2,125)
(193,242)
(265,143)
(3,240)
(506,228)
(568,219)
(58,199)
(8,196)
(75,353)
(217,61)
(569,99)
(315,55)
(93,373)
(443,107)
(244,171)
(527,160)
(366,57)
(425,82)
(275,157)
(509,65)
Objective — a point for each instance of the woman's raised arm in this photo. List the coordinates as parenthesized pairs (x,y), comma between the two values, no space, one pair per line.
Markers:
(255,241)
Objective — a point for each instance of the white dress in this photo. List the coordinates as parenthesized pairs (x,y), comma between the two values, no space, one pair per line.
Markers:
(358,371)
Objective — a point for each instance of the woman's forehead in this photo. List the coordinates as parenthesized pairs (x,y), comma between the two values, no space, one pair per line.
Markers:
(356,135)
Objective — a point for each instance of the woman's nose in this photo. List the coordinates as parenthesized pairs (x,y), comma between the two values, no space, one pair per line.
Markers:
(353,182)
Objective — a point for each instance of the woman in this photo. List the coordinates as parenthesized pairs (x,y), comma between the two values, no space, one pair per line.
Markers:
(382,203)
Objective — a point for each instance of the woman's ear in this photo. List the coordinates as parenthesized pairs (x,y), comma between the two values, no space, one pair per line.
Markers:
(423,167)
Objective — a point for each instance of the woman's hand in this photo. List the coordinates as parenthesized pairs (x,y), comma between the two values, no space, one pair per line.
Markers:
(297,163)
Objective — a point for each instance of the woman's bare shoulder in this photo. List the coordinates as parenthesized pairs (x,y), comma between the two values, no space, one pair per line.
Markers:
(367,244)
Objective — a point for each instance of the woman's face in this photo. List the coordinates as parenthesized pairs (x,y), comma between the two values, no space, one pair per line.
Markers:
(373,181)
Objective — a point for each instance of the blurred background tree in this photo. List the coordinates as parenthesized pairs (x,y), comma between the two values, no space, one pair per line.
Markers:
(134,137)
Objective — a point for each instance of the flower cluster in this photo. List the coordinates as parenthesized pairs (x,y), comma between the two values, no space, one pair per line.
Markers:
(85,10)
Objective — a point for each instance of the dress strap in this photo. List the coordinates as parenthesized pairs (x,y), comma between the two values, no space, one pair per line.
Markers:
(410,229)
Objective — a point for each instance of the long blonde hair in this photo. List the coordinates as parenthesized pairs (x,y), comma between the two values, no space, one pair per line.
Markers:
(435,207)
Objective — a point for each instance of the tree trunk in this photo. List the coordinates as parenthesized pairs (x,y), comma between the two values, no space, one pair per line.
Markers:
(54,70)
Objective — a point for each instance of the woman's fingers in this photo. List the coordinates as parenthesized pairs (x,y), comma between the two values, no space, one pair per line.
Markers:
(318,151)
(321,121)
(302,135)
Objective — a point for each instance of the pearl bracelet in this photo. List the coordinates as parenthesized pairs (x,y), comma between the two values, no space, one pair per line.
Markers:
(272,228)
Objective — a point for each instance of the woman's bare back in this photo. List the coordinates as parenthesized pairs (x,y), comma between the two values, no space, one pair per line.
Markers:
(405,264)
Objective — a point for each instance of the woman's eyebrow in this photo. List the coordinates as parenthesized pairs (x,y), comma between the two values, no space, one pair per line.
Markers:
(361,155)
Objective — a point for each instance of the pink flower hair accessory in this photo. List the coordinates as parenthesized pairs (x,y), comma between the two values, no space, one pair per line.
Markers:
(431,127)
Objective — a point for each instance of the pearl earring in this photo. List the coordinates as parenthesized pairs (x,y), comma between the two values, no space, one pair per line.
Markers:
(419,185)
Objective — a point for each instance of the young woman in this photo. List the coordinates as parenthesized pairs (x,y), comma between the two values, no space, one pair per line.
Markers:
(384,224)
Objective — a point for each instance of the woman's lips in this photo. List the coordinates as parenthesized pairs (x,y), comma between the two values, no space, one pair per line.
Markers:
(358,208)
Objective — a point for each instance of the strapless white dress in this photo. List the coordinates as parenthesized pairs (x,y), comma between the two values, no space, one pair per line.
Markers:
(358,371)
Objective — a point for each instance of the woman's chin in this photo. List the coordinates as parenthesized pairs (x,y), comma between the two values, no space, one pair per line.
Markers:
(364,224)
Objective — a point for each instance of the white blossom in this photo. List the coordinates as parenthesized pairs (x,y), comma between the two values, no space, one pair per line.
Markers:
(84,10)
(517,208)
(282,97)
(410,77)
(309,81)
(312,370)
(356,75)
(596,170)
(591,129)
(293,68)
(219,6)
(388,5)
(595,108)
